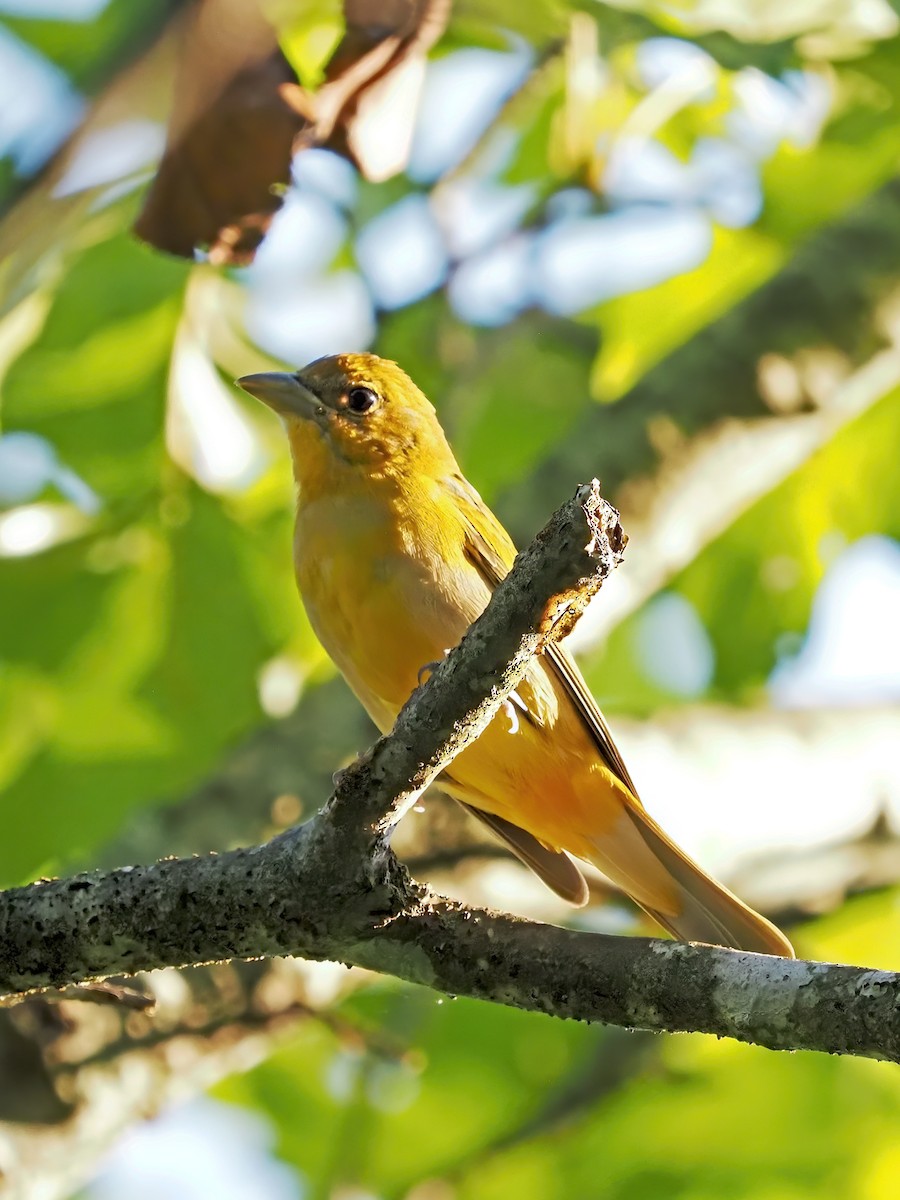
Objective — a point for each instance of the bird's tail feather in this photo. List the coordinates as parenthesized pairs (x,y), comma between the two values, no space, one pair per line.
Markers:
(640,857)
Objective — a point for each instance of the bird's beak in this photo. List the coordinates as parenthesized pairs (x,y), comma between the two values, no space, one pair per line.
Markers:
(282,392)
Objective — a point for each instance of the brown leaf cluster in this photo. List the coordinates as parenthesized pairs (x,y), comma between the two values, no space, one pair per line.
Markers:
(240,114)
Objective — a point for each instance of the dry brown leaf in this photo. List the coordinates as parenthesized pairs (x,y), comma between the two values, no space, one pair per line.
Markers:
(229,139)
(239,115)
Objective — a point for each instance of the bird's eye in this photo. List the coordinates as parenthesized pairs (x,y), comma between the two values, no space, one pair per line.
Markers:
(361,399)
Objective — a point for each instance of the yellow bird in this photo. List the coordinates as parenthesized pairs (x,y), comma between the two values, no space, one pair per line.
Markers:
(396,554)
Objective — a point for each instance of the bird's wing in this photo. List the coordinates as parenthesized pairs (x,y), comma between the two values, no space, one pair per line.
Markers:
(565,670)
(706,911)
(491,551)
(554,867)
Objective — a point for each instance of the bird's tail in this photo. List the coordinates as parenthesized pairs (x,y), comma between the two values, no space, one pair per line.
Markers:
(641,859)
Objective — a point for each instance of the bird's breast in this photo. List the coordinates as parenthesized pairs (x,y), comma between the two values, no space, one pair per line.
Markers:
(384,596)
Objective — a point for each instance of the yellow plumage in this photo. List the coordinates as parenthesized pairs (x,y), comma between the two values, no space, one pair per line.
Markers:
(396,554)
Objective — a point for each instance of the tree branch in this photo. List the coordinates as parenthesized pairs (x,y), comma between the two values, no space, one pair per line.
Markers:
(686,758)
(317,888)
(643,983)
(332,889)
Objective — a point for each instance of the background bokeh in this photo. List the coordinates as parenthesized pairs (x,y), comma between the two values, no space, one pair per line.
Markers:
(655,243)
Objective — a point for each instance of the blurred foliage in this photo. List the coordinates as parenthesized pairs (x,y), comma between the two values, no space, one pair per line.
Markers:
(135,640)
(481,1103)
(89,52)
(754,585)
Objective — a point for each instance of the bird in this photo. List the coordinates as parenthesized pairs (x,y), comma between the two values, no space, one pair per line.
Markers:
(395,555)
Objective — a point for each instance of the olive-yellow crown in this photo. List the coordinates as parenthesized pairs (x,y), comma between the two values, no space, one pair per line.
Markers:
(359,408)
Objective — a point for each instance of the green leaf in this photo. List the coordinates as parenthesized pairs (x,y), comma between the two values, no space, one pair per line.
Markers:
(94,380)
(149,673)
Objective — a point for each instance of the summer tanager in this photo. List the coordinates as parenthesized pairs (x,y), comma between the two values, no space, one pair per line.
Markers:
(396,554)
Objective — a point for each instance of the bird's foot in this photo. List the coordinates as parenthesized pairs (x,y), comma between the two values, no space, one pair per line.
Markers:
(427,669)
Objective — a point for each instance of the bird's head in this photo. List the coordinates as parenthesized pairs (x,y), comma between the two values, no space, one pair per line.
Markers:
(354,410)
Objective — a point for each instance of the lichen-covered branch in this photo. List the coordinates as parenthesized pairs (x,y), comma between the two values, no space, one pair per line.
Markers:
(644,983)
(164,915)
(331,889)
(845,756)
(319,887)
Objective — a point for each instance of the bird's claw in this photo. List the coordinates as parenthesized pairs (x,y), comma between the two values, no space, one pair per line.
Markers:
(427,669)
